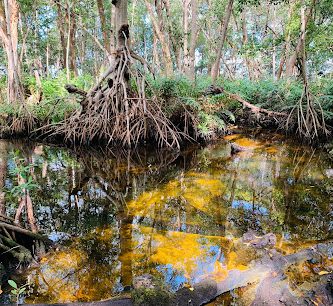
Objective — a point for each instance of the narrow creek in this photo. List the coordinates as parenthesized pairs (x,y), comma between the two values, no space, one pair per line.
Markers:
(176,217)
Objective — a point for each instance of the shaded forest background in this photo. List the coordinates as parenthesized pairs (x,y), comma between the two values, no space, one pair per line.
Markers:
(275,54)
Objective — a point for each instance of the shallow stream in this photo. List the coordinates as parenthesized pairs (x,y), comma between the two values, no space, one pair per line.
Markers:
(114,216)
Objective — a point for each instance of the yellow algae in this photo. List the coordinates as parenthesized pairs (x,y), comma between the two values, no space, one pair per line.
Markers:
(145,201)
(104,234)
(196,174)
(248,143)
(172,189)
(221,240)
(197,199)
(213,186)
(220,272)
(76,272)
(232,137)
(235,261)
(272,150)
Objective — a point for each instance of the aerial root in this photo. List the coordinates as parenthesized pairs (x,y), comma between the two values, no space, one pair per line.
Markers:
(307,118)
(115,113)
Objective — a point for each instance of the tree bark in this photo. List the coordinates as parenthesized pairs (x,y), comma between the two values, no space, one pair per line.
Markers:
(121,23)
(244,43)
(9,16)
(72,44)
(291,62)
(190,39)
(186,7)
(61,28)
(216,65)
(168,66)
(101,12)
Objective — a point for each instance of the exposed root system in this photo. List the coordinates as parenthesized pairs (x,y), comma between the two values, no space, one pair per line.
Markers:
(21,124)
(117,111)
(307,118)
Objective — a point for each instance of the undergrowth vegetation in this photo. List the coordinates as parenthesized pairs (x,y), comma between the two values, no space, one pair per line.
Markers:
(184,102)
(48,103)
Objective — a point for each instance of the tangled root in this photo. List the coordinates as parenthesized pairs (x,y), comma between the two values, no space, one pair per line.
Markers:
(307,118)
(22,123)
(114,113)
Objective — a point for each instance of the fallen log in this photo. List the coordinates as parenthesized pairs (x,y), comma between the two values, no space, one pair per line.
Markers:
(214,90)
(253,108)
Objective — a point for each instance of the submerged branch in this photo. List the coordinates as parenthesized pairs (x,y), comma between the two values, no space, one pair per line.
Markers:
(24,232)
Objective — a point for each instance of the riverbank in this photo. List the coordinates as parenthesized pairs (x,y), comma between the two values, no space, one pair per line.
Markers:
(198,110)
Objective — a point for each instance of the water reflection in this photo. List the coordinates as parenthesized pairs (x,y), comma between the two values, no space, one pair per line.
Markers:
(175,216)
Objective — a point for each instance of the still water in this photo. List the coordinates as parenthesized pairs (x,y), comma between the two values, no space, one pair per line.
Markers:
(116,215)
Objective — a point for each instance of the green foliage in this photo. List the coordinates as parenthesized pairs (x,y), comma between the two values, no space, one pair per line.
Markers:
(211,117)
(214,112)
(23,170)
(55,104)
(270,94)
(151,297)
(17,291)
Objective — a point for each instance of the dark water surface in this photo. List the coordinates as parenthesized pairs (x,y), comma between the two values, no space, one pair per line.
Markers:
(117,215)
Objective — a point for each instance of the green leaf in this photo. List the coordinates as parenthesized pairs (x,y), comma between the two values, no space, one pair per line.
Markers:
(12,284)
(230,115)
(21,290)
(14,291)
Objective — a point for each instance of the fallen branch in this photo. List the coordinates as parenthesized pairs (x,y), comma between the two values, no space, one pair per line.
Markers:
(253,108)
(25,232)
(7,219)
(23,254)
(142,61)
(75,90)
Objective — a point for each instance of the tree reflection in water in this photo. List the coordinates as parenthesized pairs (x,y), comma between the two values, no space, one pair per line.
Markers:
(177,216)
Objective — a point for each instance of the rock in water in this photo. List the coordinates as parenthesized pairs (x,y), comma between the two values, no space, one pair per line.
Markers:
(259,242)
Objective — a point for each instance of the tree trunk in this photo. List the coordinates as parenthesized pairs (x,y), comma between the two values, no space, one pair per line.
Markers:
(186,7)
(189,47)
(291,62)
(102,18)
(121,23)
(282,62)
(244,43)
(61,28)
(168,66)
(9,16)
(72,45)
(156,57)
(224,29)
(175,45)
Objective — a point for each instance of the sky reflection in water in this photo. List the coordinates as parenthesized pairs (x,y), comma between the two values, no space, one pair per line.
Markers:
(177,217)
